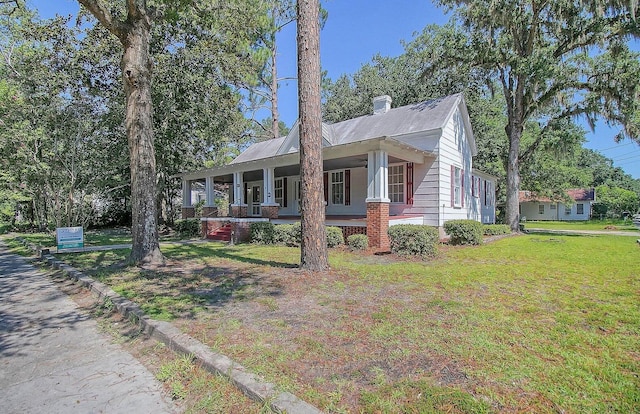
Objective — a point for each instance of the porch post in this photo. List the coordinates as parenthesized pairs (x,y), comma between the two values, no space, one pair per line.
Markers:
(210,209)
(188,211)
(239,206)
(269,208)
(378,199)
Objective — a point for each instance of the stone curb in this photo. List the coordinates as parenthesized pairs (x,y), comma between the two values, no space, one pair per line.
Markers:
(250,384)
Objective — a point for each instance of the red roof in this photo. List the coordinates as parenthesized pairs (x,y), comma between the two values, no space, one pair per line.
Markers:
(577,194)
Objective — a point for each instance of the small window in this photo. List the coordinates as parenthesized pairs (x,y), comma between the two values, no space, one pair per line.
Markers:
(337,187)
(552,207)
(396,183)
(541,208)
(580,208)
(457,187)
(567,210)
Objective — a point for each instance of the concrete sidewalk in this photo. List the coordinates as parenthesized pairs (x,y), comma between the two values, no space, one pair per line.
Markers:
(53,359)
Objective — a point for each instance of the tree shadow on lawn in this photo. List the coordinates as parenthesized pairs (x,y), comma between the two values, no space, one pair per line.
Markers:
(223,252)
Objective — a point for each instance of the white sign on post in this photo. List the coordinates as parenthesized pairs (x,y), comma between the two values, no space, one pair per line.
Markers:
(69,237)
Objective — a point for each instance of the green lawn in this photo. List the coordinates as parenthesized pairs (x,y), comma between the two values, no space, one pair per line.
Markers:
(615,225)
(530,323)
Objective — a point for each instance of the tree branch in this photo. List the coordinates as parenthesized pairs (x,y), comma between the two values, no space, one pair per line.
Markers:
(104,16)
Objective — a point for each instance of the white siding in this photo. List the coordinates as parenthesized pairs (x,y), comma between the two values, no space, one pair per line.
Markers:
(531,211)
(573,215)
(454,150)
(358,195)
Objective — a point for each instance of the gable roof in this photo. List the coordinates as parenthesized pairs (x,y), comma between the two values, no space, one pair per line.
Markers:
(576,194)
(430,115)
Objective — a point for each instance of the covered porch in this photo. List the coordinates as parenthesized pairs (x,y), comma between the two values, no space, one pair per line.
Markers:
(356,188)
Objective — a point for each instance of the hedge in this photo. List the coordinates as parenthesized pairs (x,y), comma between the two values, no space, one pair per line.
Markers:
(261,232)
(190,227)
(496,229)
(464,231)
(413,240)
(334,236)
(358,241)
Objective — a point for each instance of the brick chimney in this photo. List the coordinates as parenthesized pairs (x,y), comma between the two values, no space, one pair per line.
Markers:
(381,104)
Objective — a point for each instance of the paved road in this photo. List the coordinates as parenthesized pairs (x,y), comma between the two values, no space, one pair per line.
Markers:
(586,232)
(53,359)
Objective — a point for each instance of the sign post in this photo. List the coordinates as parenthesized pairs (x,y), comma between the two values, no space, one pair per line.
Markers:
(70,238)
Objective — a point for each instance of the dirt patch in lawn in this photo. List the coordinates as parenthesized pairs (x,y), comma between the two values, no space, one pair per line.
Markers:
(325,336)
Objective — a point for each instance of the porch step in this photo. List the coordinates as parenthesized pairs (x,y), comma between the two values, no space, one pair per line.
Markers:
(222,234)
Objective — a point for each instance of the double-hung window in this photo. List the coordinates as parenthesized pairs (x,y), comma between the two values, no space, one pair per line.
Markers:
(580,208)
(396,183)
(457,187)
(279,191)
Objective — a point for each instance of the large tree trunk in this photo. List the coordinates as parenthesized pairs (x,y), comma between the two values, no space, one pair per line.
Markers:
(136,73)
(514,131)
(314,245)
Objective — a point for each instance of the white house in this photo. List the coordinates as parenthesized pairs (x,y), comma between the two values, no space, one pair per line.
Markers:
(412,164)
(534,207)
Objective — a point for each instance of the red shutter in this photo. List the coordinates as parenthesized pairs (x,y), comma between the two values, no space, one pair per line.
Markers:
(462,188)
(347,187)
(410,183)
(453,184)
(284,192)
(325,179)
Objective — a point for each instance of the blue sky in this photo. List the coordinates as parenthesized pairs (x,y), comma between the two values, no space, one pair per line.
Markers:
(355,31)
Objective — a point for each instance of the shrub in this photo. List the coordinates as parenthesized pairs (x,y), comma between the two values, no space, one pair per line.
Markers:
(358,241)
(188,227)
(412,239)
(261,232)
(289,234)
(296,234)
(464,231)
(334,236)
(282,233)
(496,229)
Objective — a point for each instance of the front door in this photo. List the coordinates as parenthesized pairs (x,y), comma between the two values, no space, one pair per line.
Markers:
(255,201)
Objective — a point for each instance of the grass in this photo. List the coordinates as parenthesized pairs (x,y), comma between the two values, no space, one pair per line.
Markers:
(614,225)
(106,237)
(530,323)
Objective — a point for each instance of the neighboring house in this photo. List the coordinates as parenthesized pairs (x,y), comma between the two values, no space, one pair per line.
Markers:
(412,164)
(534,207)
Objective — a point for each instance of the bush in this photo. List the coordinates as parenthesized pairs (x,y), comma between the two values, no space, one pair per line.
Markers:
(496,229)
(261,232)
(358,241)
(282,233)
(188,227)
(334,236)
(289,234)
(412,239)
(464,231)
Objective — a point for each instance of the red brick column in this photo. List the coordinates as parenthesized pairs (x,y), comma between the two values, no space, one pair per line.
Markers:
(270,212)
(188,212)
(377,225)
(239,211)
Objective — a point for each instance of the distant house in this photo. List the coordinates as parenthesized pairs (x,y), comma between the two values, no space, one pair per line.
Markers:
(406,165)
(534,207)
